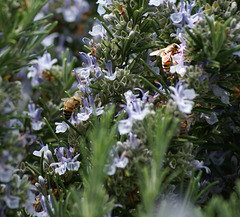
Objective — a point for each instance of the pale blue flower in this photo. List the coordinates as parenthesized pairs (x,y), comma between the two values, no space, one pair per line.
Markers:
(12,201)
(28,139)
(122,161)
(6,170)
(152,63)
(87,61)
(183,16)
(117,162)
(179,68)
(44,212)
(7,106)
(157,94)
(219,92)
(178,58)
(83,72)
(45,62)
(198,165)
(130,97)
(90,66)
(88,106)
(87,109)
(31,199)
(83,84)
(109,73)
(65,163)
(49,40)
(15,122)
(211,119)
(183,97)
(38,66)
(35,115)
(38,125)
(136,110)
(133,142)
(237,53)
(73,10)
(39,16)
(83,116)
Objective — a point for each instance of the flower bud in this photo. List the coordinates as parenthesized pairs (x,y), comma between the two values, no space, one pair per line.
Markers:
(49,156)
(41,181)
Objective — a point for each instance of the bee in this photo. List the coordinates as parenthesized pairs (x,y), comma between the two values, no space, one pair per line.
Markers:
(166,55)
(69,105)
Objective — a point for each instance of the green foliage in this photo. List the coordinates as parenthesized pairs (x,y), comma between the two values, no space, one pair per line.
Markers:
(18,40)
(220,207)
(151,183)
(9,99)
(96,201)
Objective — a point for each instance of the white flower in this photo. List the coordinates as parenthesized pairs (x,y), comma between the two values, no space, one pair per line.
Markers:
(158,2)
(61,127)
(83,116)
(183,97)
(97,30)
(45,61)
(43,149)
(125,126)
(155,2)
(102,3)
(49,40)
(179,68)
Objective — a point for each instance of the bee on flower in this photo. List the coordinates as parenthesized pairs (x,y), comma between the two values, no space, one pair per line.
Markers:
(166,55)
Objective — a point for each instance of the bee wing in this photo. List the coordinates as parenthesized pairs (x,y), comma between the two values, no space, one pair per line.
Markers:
(65,99)
(157,52)
(166,57)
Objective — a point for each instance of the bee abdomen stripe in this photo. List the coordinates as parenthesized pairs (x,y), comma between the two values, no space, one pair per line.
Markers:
(67,115)
(67,112)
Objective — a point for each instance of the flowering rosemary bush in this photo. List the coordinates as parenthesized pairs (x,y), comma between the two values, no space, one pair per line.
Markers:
(133,113)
